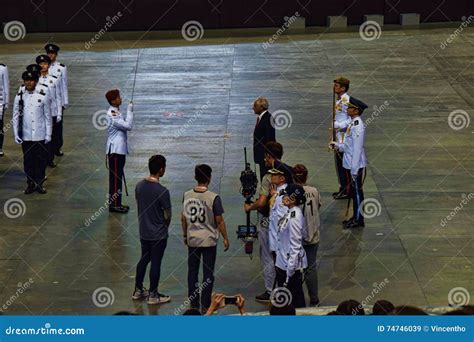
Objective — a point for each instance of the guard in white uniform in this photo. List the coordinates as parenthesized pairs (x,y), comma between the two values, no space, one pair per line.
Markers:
(4,100)
(59,70)
(290,255)
(117,148)
(32,127)
(355,160)
(41,88)
(54,87)
(341,122)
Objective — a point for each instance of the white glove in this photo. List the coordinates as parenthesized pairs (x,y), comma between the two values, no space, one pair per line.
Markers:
(18,140)
(130,107)
(47,140)
(59,118)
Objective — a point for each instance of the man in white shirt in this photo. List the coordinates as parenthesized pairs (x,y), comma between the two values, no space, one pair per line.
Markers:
(32,127)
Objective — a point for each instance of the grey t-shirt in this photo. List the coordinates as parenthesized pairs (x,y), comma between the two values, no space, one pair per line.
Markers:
(152,199)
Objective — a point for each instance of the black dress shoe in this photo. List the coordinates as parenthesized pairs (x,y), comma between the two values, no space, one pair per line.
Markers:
(336,193)
(126,206)
(52,164)
(41,190)
(29,189)
(121,209)
(347,221)
(340,196)
(59,153)
(355,224)
(264,297)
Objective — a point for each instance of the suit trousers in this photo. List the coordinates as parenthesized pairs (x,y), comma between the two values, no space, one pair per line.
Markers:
(34,161)
(116,163)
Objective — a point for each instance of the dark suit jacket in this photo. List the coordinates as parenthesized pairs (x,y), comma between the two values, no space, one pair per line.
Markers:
(263,133)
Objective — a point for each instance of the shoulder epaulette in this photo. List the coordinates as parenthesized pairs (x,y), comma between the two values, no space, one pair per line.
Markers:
(41,93)
(61,64)
(54,76)
(1,64)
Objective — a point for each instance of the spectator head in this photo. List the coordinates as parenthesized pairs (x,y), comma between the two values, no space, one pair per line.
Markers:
(334,313)
(202,174)
(382,307)
(407,310)
(192,312)
(157,165)
(287,310)
(273,152)
(300,173)
(351,307)
(125,313)
(260,105)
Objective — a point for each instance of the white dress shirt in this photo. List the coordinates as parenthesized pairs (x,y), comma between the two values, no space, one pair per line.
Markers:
(119,125)
(353,146)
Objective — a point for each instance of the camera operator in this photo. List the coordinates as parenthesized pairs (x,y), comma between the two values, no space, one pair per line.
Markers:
(290,254)
(273,154)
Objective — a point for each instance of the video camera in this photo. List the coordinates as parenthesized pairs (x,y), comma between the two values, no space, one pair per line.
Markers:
(248,179)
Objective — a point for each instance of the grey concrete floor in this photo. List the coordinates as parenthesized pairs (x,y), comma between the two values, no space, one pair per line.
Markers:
(193,104)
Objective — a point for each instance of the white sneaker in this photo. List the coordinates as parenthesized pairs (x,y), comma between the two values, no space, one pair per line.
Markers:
(140,293)
(1,153)
(157,298)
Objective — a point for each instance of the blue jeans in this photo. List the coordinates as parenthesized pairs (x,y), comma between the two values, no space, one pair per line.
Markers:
(311,273)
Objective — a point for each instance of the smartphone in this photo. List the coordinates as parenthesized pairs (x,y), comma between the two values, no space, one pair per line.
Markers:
(230,300)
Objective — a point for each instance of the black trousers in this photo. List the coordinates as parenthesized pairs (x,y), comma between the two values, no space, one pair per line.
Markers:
(57,137)
(295,285)
(357,195)
(116,163)
(2,134)
(200,293)
(34,161)
(52,145)
(152,251)
(343,175)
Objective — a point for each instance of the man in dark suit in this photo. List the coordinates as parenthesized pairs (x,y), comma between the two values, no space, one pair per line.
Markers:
(264,132)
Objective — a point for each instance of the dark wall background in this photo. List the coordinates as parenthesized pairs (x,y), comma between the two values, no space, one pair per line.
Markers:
(143,15)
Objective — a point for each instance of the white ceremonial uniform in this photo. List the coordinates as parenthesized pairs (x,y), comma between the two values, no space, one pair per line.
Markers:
(42,89)
(310,211)
(37,121)
(54,94)
(277,213)
(117,130)
(353,146)
(60,70)
(290,254)
(4,89)
(342,120)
